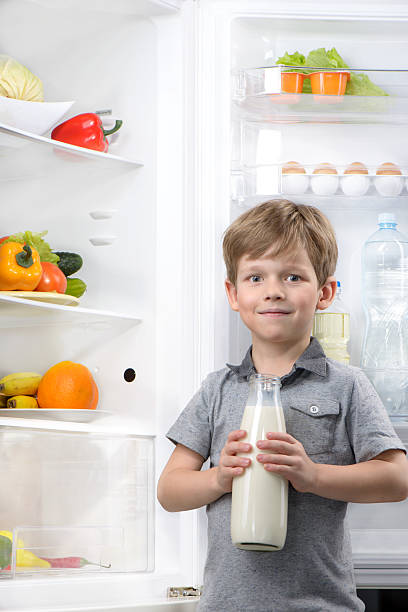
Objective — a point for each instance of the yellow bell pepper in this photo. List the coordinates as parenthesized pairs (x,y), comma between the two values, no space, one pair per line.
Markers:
(25,558)
(20,267)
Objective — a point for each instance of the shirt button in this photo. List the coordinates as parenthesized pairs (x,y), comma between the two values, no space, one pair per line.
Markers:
(314,409)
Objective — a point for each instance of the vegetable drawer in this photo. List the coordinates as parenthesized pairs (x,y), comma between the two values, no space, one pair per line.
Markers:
(75,502)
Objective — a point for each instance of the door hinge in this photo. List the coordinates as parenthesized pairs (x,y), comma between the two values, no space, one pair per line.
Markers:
(183,592)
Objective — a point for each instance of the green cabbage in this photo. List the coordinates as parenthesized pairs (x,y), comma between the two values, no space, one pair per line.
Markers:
(16,81)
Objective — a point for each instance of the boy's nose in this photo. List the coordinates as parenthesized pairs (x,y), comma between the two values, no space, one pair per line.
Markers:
(274,291)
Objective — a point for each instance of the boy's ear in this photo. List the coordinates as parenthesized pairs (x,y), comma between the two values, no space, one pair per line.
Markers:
(327,293)
(231,294)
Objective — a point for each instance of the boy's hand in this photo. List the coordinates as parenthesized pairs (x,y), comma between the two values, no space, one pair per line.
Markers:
(230,464)
(286,456)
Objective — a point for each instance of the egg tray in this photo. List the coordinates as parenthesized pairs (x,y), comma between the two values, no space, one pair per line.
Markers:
(351,185)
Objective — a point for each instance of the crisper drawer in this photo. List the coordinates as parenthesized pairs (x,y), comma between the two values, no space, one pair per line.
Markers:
(379,535)
(75,502)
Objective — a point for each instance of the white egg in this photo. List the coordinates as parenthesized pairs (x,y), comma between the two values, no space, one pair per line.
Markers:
(324,184)
(389,184)
(295,184)
(355,184)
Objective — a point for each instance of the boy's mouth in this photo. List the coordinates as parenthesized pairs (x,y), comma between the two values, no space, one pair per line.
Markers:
(274,312)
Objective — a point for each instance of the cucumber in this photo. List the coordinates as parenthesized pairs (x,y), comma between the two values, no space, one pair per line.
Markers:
(75,287)
(69,263)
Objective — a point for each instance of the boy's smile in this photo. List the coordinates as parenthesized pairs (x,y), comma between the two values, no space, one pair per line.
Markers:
(277,296)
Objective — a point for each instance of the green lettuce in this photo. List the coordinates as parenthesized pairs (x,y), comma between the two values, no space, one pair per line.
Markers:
(358,85)
(36,241)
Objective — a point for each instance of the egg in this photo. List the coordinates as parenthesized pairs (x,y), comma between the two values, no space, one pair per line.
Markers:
(325,180)
(355,181)
(294,178)
(388,181)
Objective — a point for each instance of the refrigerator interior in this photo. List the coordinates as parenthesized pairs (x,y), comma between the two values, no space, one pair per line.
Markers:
(84,484)
(265,134)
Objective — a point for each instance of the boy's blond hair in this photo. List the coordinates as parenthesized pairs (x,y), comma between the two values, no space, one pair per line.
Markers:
(281,226)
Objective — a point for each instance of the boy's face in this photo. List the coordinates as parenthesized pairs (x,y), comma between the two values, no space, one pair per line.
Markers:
(277,297)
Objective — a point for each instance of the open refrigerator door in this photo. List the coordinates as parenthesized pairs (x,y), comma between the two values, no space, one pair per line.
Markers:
(79,521)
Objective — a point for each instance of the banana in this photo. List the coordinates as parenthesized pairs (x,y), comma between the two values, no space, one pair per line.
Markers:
(3,401)
(20,383)
(22,401)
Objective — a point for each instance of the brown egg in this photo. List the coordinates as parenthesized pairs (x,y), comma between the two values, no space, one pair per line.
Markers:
(355,181)
(389,181)
(293,167)
(294,179)
(388,168)
(325,168)
(356,168)
(325,180)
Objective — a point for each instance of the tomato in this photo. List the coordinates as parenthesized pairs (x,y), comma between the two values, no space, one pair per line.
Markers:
(52,278)
(4,238)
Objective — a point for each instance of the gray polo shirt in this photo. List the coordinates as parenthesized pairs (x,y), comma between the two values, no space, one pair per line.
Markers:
(314,571)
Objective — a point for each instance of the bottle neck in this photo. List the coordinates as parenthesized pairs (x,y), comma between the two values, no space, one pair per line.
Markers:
(264,390)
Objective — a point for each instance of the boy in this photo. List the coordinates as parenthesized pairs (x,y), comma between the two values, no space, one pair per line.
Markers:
(339,447)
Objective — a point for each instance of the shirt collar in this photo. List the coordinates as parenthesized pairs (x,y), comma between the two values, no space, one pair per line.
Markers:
(312,359)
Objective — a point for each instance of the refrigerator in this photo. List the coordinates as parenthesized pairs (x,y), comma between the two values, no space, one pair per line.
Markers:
(205,134)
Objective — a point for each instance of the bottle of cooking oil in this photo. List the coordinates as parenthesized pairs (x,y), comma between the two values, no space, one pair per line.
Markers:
(331,327)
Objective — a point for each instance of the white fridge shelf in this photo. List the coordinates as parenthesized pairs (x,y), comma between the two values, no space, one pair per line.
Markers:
(26,155)
(143,8)
(258,96)
(16,313)
(315,180)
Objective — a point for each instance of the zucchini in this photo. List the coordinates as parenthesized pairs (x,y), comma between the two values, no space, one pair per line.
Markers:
(69,263)
(75,287)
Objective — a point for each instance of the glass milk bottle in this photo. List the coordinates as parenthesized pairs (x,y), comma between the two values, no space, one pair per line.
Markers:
(260,498)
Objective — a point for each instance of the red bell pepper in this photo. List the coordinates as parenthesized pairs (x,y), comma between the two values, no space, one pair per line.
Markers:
(85,130)
(74,562)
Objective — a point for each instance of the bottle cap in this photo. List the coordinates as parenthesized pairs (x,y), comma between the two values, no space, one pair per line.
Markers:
(386,218)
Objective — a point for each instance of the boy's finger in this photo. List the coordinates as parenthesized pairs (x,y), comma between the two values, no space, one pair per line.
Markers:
(280,435)
(237,447)
(277,446)
(237,434)
(234,461)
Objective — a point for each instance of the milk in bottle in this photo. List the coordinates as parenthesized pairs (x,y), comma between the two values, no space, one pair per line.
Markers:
(260,498)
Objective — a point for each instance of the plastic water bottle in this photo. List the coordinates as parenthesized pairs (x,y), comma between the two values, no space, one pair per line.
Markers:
(259,504)
(385,301)
(331,327)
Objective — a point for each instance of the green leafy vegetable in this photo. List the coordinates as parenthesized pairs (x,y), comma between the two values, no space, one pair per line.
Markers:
(35,240)
(294,59)
(358,85)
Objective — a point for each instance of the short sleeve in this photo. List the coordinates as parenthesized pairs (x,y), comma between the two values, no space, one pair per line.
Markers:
(369,427)
(192,428)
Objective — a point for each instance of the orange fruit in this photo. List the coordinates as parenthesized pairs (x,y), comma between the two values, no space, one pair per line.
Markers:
(68,385)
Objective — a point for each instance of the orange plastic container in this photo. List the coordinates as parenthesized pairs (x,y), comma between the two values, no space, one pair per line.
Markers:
(292,82)
(329,83)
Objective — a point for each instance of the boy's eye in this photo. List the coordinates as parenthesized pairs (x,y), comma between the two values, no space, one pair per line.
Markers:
(293,277)
(255,278)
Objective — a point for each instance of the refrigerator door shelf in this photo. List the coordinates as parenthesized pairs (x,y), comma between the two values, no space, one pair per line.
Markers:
(142,8)
(16,312)
(59,414)
(26,156)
